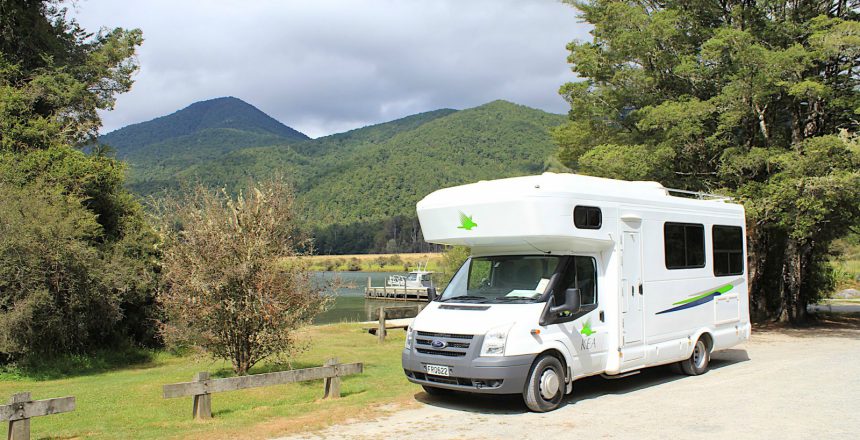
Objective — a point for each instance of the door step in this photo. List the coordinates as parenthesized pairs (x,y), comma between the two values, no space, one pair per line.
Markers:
(619,376)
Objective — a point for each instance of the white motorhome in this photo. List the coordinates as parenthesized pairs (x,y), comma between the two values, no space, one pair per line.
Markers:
(573,276)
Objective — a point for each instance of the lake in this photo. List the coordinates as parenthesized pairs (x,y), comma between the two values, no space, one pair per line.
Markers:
(349,304)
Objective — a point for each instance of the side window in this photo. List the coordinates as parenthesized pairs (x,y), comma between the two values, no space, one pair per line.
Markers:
(728,250)
(587,217)
(583,276)
(684,245)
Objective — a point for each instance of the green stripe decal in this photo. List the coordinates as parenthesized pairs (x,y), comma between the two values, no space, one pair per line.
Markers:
(721,290)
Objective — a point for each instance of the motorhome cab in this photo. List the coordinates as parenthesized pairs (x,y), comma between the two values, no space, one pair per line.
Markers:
(572,276)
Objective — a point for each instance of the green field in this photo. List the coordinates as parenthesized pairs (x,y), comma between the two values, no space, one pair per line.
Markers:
(126,402)
(846,267)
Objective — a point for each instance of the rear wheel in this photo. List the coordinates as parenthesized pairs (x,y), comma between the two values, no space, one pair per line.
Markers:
(545,386)
(433,391)
(699,361)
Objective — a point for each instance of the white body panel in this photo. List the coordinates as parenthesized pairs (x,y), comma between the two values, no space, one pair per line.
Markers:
(534,215)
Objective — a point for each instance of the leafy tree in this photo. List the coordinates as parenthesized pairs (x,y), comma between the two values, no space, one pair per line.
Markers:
(77,260)
(755,99)
(233,282)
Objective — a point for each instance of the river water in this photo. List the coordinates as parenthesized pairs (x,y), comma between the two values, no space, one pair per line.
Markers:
(349,304)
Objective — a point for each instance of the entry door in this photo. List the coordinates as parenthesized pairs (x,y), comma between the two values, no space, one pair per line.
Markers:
(631,294)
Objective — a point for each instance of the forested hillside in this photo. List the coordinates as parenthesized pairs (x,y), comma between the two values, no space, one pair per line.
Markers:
(359,187)
(163,147)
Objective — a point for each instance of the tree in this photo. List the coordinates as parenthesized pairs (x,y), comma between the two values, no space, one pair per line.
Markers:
(77,258)
(233,280)
(755,99)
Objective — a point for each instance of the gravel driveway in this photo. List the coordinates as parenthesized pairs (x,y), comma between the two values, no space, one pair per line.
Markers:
(783,384)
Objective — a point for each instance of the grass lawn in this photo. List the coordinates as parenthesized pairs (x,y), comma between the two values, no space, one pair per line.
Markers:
(375,262)
(126,402)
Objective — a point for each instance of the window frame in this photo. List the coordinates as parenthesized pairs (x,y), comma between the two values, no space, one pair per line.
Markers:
(588,208)
(740,250)
(685,226)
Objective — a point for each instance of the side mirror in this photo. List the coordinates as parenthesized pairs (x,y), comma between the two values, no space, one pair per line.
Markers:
(571,304)
(431,294)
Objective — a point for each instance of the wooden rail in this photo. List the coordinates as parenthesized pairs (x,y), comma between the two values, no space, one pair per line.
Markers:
(202,387)
(21,409)
(386,313)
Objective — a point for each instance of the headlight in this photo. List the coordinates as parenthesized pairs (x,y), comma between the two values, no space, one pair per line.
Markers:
(408,343)
(494,341)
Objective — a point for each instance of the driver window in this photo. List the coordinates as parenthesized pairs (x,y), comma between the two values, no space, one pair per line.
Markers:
(582,274)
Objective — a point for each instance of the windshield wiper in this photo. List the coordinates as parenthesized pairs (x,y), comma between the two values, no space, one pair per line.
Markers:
(466,297)
(513,298)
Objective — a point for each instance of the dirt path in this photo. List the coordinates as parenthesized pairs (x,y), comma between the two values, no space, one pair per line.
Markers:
(783,384)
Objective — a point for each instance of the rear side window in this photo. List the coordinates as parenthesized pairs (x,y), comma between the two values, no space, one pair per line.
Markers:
(684,245)
(587,217)
(728,250)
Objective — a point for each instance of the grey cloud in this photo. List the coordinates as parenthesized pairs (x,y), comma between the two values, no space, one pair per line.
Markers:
(328,66)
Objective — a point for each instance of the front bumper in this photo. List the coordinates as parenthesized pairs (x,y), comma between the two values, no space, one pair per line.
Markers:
(490,375)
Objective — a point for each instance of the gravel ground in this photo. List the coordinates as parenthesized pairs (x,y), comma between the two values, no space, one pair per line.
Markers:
(783,384)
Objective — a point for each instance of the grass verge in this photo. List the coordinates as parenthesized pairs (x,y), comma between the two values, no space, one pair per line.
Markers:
(117,400)
(374,262)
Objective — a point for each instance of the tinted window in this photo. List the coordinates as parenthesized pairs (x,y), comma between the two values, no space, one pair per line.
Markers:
(587,217)
(684,245)
(581,274)
(728,250)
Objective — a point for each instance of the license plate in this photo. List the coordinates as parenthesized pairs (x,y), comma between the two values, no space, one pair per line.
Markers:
(437,370)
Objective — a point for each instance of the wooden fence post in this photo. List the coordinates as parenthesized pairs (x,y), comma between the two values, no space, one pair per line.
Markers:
(19,429)
(331,384)
(380,331)
(202,402)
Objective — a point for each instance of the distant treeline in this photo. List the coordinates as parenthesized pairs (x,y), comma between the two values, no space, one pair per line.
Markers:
(399,234)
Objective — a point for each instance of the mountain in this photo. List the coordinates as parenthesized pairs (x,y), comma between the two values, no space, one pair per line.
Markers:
(359,188)
(202,131)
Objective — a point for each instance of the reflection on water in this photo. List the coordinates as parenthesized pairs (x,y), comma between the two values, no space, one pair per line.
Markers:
(349,304)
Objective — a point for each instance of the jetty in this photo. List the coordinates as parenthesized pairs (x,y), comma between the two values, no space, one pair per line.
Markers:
(395,293)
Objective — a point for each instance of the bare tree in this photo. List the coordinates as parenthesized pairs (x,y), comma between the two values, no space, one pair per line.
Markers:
(234,280)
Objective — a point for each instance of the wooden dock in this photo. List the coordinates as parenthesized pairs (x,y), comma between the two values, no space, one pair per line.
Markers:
(396,293)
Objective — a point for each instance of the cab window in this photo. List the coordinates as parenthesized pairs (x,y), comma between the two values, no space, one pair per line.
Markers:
(581,274)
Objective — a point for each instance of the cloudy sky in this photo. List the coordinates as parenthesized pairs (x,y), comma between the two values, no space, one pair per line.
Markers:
(324,66)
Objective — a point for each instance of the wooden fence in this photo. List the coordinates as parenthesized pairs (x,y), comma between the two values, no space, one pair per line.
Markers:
(202,387)
(386,313)
(21,409)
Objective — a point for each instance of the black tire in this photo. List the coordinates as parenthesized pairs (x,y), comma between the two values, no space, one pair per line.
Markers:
(546,376)
(699,360)
(433,391)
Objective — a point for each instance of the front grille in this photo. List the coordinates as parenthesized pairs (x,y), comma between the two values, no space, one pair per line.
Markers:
(441,352)
(455,345)
(450,344)
(445,335)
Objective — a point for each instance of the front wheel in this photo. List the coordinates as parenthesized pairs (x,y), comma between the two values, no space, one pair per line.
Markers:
(698,362)
(545,387)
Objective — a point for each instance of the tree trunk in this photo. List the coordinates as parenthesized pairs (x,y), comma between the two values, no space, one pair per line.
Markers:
(793,301)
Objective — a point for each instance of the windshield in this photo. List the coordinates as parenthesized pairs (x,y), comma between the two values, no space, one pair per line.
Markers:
(508,278)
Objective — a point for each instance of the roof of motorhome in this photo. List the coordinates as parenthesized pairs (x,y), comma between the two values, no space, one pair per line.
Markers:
(570,185)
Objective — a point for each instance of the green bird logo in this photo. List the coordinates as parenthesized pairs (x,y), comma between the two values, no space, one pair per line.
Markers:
(586,329)
(466,222)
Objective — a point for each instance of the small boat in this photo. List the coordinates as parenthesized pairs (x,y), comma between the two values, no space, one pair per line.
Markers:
(410,287)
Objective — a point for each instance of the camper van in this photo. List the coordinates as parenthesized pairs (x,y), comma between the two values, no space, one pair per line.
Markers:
(573,276)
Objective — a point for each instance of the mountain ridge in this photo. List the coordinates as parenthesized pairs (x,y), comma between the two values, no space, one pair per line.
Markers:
(358,189)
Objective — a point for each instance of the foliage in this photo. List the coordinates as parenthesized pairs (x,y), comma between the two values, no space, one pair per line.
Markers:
(752,99)
(452,259)
(77,269)
(224,288)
